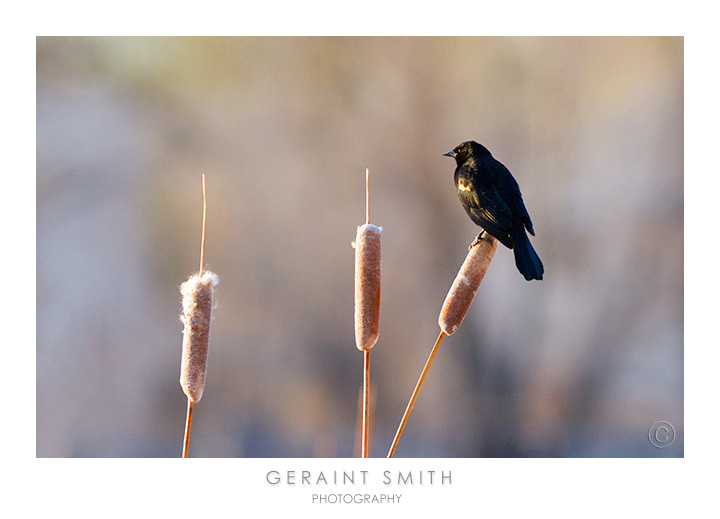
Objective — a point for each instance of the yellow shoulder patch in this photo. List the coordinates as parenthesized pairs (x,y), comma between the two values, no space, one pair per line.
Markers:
(463,184)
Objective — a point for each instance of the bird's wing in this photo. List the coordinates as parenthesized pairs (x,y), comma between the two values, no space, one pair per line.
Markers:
(494,209)
(486,207)
(510,192)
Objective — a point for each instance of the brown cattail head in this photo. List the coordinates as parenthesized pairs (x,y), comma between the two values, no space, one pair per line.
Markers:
(197,303)
(367,285)
(466,283)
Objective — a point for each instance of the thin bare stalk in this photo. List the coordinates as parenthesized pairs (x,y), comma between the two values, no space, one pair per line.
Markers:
(367,195)
(188,423)
(202,239)
(366,405)
(414,395)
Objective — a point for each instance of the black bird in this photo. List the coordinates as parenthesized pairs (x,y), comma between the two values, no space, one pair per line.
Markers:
(492,199)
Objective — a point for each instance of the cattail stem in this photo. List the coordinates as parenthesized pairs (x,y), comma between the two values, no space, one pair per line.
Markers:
(188,423)
(414,395)
(367,195)
(202,239)
(366,405)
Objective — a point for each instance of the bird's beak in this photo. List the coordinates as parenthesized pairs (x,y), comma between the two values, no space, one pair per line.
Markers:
(449,154)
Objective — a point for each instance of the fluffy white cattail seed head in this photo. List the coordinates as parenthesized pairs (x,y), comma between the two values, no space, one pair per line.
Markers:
(197,303)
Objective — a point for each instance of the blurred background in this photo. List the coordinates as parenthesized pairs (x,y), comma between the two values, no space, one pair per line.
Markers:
(581,364)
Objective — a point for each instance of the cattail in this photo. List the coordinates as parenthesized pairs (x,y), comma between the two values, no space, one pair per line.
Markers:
(461,293)
(367,301)
(457,302)
(197,303)
(367,285)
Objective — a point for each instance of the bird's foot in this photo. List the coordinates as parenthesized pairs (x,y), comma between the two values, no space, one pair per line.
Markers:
(483,236)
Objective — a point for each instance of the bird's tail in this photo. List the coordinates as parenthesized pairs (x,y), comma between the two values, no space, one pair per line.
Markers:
(526,259)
